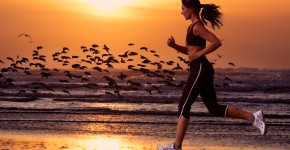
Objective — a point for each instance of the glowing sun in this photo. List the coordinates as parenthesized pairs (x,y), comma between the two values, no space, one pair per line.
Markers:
(108,6)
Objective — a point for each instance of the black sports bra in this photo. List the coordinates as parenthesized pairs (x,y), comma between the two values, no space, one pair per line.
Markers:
(193,40)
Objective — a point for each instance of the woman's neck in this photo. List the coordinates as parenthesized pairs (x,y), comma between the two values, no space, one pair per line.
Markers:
(195,19)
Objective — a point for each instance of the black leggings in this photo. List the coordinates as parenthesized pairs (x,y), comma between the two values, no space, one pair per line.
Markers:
(200,81)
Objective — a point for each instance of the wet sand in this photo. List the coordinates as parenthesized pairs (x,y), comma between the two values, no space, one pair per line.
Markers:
(56,131)
(19,140)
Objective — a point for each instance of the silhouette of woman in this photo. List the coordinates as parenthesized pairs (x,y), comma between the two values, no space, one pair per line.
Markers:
(200,80)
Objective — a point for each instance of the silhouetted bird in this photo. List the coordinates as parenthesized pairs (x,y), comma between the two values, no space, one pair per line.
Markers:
(56,70)
(65,57)
(177,67)
(132,83)
(66,91)
(146,61)
(130,67)
(5,70)
(45,74)
(109,79)
(26,35)
(124,55)
(98,69)
(144,48)
(76,66)
(131,44)
(110,65)
(118,93)
(230,63)
(133,53)
(65,49)
(106,48)
(156,55)
(39,47)
(123,61)
(27,72)
(170,62)
(122,76)
(88,73)
(141,65)
(106,55)
(105,70)
(143,57)
(11,59)
(95,45)
(1,62)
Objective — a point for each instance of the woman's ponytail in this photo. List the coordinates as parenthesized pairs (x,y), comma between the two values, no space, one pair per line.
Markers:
(210,14)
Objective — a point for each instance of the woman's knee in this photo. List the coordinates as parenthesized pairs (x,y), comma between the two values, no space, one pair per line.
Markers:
(218,110)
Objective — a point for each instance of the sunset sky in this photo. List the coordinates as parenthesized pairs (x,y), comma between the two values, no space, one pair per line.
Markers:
(255,33)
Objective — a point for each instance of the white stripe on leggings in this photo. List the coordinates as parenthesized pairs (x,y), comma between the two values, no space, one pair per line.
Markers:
(191,89)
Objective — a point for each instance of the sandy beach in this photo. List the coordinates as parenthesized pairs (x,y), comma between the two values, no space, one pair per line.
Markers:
(40,141)
(44,133)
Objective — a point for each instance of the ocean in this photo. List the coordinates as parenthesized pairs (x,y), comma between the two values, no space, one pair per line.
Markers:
(249,89)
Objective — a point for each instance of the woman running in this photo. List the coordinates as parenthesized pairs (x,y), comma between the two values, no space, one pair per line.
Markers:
(200,80)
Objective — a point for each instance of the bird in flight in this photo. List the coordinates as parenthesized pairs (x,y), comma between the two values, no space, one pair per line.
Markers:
(26,35)
(230,63)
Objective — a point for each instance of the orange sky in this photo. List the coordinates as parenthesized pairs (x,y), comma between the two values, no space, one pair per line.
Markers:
(256,33)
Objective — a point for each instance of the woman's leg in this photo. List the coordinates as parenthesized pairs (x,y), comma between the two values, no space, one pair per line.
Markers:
(208,96)
(234,112)
(182,125)
(189,95)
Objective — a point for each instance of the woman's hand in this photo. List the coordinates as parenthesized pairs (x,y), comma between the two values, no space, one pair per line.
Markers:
(193,55)
(171,41)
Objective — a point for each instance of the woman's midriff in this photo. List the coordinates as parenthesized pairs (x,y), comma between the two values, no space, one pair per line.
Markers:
(194,49)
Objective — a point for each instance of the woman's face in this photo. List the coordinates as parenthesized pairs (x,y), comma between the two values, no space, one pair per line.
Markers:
(186,12)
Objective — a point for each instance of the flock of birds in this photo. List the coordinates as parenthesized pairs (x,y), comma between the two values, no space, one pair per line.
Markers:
(96,59)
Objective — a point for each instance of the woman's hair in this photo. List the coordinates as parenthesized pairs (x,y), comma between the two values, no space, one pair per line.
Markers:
(209,12)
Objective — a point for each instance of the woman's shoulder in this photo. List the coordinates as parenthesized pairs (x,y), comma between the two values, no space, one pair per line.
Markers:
(198,27)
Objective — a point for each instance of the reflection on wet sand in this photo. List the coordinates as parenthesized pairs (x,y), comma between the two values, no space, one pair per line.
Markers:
(108,143)
(49,141)
(73,142)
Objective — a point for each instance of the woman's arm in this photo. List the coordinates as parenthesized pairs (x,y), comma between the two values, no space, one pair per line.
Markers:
(181,49)
(213,42)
